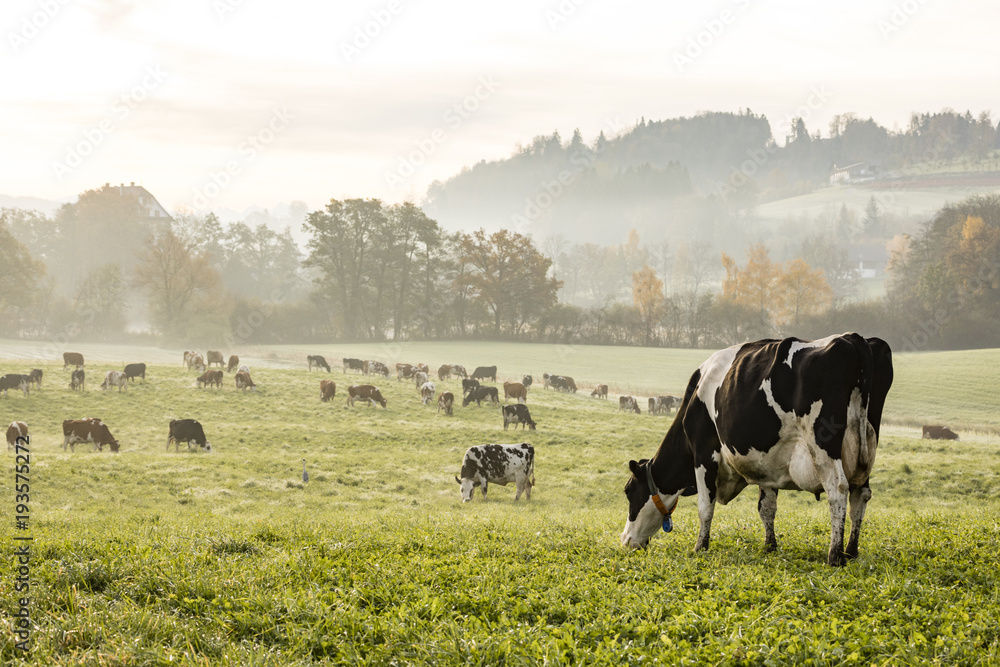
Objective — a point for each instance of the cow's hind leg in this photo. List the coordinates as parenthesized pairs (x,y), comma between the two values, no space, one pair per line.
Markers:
(859,503)
(767,508)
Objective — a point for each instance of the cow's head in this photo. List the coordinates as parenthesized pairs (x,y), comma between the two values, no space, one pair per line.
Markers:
(113,445)
(468,486)
(644,518)
(531,425)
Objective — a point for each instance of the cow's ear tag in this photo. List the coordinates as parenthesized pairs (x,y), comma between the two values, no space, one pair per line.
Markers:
(668,525)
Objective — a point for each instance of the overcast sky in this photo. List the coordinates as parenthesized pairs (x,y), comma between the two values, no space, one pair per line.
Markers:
(230,103)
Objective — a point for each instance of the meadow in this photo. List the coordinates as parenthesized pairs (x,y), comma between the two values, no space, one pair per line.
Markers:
(152,556)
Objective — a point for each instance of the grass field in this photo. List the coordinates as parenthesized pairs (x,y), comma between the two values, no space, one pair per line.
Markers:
(156,557)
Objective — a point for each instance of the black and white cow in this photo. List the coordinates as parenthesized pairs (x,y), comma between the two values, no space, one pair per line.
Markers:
(468,385)
(317,360)
(14,381)
(353,365)
(500,464)
(517,414)
(188,431)
(779,414)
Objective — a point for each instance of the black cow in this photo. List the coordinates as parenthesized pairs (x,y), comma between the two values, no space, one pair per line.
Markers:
(35,377)
(77,379)
(133,371)
(353,365)
(318,361)
(526,381)
(485,373)
(189,431)
(469,385)
(480,394)
(14,381)
(517,414)
(780,414)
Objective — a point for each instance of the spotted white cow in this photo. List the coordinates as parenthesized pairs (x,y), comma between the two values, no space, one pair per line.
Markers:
(779,414)
(500,464)
(114,379)
(427,393)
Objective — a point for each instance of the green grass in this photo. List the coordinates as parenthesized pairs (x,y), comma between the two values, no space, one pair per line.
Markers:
(156,557)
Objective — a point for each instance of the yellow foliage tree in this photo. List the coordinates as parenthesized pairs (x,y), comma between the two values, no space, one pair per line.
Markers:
(647,295)
(801,291)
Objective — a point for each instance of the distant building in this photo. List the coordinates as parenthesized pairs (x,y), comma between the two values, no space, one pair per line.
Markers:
(859,172)
(869,260)
(154,210)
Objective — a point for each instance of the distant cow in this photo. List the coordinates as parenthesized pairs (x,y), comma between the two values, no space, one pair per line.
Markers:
(366,392)
(376,368)
(14,431)
(77,380)
(88,430)
(515,390)
(485,373)
(243,369)
(427,392)
(215,357)
(938,433)
(234,361)
(353,365)
(444,372)
(114,379)
(188,356)
(244,382)
(318,361)
(197,362)
(458,371)
(35,377)
(600,391)
(500,464)
(72,359)
(526,381)
(446,402)
(662,404)
(654,405)
(423,368)
(404,371)
(419,378)
(563,383)
(628,404)
(469,385)
(327,390)
(14,381)
(189,431)
(135,371)
(480,394)
(517,414)
(215,377)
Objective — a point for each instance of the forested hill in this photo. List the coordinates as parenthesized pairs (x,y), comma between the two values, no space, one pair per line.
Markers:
(697,177)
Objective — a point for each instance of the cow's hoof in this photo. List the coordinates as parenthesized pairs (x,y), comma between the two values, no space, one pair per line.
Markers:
(770,547)
(836,560)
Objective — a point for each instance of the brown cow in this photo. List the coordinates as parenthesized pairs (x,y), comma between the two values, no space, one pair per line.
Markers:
(211,377)
(188,356)
(444,372)
(88,429)
(515,390)
(72,359)
(446,401)
(938,433)
(404,371)
(600,391)
(197,362)
(215,357)
(423,368)
(327,390)
(14,431)
(366,392)
(244,382)
(234,362)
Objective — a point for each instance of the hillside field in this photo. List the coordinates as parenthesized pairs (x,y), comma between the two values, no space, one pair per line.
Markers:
(153,556)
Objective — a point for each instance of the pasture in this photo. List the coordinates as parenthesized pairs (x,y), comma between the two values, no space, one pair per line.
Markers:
(155,557)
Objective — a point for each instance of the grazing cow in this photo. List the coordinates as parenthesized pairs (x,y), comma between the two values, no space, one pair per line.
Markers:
(419,378)
(459,371)
(446,402)
(376,368)
(515,390)
(423,368)
(780,414)
(526,381)
(938,433)
(427,390)
(485,373)
(469,385)
(14,431)
(215,377)
(189,431)
(197,362)
(35,377)
(234,361)
(444,372)
(243,381)
(366,392)
(565,383)
(243,369)
(517,414)
(88,429)
(188,356)
(660,404)
(628,404)
(546,380)
(600,391)
(77,380)
(353,365)
(480,394)
(135,371)
(215,357)
(500,464)
(327,390)
(668,403)
(404,371)
(114,379)
(72,359)
(318,361)
(14,381)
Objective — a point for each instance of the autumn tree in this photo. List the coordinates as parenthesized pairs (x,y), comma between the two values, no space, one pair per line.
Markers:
(647,296)
(801,290)
(21,279)
(754,285)
(101,300)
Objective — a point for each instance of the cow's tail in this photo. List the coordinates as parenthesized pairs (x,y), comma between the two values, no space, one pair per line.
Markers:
(866,375)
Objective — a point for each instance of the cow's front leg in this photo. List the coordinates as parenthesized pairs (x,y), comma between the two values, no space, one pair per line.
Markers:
(859,503)
(485,486)
(705,476)
(767,508)
(837,490)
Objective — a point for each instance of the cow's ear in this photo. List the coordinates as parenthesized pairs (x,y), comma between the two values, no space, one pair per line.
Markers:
(634,467)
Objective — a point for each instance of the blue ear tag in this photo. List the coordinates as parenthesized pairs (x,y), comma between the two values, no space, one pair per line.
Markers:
(668,525)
